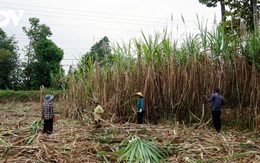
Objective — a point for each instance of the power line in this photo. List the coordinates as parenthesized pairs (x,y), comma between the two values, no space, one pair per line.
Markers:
(84,11)
(100,18)
(162,21)
(77,26)
(67,41)
(69,59)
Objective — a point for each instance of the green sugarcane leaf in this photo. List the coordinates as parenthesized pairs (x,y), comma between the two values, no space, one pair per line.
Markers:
(133,153)
(30,139)
(2,141)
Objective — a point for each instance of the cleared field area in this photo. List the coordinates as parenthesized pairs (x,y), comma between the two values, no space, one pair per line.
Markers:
(75,141)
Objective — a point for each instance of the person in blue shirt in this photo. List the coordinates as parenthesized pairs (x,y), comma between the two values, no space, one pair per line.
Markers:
(218,101)
(140,107)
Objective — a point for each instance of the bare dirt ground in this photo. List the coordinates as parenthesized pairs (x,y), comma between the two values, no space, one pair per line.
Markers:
(74,141)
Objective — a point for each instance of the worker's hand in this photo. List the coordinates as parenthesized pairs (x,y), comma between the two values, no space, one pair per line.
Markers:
(205,97)
(140,111)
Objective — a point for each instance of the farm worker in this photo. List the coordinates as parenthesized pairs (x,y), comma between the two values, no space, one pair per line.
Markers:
(98,111)
(218,102)
(139,107)
(48,114)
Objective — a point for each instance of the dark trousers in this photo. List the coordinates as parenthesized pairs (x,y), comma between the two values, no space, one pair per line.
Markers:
(140,118)
(216,120)
(48,126)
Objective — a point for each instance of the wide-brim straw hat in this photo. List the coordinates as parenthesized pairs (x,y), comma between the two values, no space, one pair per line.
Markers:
(49,97)
(139,94)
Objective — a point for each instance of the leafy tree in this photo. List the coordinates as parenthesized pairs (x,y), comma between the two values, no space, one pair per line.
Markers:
(243,11)
(99,52)
(240,29)
(44,56)
(48,58)
(9,62)
(100,49)
(213,3)
(35,33)
(72,71)
(47,51)
(239,11)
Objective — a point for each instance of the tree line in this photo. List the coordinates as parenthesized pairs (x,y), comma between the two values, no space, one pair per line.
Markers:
(236,13)
(43,59)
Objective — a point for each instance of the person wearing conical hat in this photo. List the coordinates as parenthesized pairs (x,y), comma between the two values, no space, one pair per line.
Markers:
(48,114)
(140,107)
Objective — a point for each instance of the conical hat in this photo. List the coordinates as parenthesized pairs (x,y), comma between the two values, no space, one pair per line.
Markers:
(139,94)
(49,97)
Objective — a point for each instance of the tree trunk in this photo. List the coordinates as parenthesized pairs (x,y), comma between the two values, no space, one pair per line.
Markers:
(255,17)
(222,5)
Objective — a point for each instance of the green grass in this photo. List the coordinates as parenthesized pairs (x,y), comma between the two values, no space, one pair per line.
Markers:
(25,96)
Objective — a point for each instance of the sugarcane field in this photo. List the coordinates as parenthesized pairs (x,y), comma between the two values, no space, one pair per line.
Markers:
(130,81)
(156,108)
(75,140)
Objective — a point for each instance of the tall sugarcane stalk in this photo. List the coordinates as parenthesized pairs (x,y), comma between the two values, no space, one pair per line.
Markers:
(173,77)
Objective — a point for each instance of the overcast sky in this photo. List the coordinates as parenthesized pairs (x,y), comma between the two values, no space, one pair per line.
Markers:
(77,25)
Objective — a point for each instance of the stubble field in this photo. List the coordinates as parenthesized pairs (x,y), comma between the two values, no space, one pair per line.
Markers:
(75,141)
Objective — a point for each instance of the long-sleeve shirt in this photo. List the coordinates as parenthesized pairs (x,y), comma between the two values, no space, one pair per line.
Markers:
(217,100)
(47,111)
(97,112)
(140,104)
